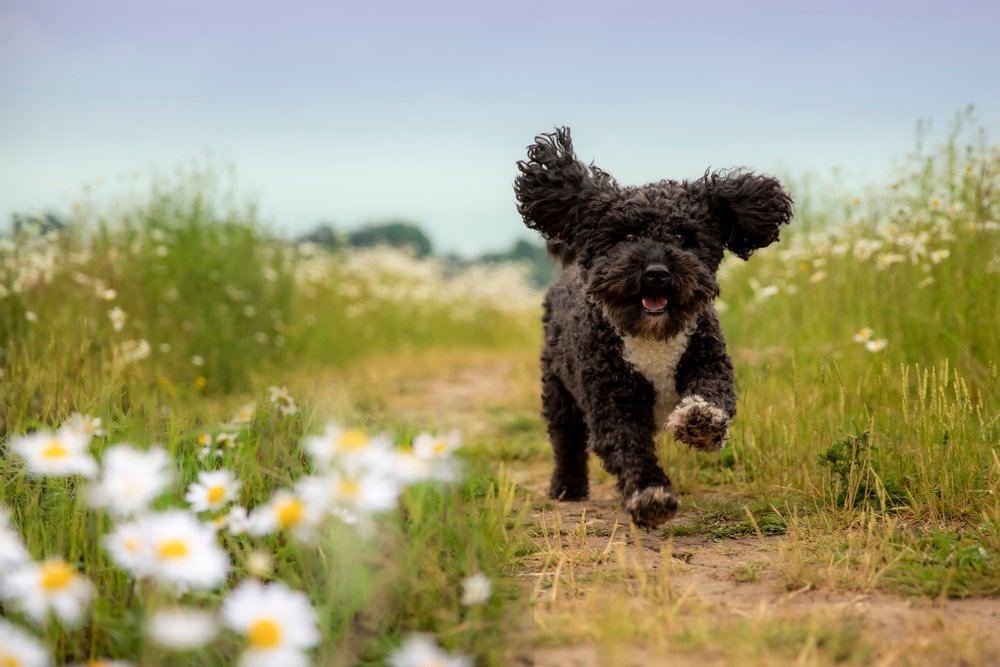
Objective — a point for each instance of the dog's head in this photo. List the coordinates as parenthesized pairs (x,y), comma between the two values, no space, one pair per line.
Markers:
(648,255)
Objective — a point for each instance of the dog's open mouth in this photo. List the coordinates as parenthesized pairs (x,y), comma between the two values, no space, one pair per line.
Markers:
(654,303)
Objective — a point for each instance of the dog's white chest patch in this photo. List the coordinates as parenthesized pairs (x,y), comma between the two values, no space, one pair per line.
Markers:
(657,361)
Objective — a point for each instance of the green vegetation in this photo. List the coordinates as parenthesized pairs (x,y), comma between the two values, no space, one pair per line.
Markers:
(867,442)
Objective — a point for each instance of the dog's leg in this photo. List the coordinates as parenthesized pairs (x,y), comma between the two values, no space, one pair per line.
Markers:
(568,435)
(705,384)
(620,422)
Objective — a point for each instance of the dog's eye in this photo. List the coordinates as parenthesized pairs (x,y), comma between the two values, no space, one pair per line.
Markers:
(630,237)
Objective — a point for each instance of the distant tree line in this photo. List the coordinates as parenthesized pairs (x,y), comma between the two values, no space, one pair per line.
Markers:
(403,234)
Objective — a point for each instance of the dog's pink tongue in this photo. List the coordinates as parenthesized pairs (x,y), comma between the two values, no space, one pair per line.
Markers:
(654,302)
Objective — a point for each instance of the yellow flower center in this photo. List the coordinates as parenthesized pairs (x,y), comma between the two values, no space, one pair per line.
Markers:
(173,549)
(55,450)
(439,447)
(8,660)
(203,439)
(131,545)
(290,513)
(349,489)
(353,438)
(215,493)
(57,575)
(265,633)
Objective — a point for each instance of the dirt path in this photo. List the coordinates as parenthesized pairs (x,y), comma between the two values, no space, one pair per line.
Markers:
(605,593)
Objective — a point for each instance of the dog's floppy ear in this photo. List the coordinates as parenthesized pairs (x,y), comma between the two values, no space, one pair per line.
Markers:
(554,187)
(749,209)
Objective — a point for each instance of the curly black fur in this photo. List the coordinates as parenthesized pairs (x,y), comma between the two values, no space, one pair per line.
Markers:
(630,330)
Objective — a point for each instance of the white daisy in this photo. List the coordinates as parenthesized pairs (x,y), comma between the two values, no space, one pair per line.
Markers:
(341,443)
(182,551)
(212,490)
(421,650)
(427,446)
(291,511)
(279,623)
(101,662)
(64,452)
(863,336)
(20,649)
(131,479)
(89,426)
(876,345)
(182,628)
(244,415)
(283,401)
(126,544)
(52,585)
(12,549)
(237,521)
(476,589)
(361,490)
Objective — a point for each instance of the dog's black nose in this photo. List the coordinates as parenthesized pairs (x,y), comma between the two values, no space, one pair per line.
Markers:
(656,274)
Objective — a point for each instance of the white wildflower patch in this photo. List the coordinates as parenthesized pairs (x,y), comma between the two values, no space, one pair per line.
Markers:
(422,650)
(65,452)
(476,590)
(50,586)
(213,490)
(182,628)
(279,624)
(20,649)
(131,479)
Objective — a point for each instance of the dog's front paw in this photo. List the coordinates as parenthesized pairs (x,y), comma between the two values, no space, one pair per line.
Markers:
(652,506)
(699,424)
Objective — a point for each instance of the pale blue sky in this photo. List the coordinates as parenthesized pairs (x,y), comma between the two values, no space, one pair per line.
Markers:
(349,112)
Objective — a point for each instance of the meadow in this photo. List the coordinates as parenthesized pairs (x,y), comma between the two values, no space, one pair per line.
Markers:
(357,436)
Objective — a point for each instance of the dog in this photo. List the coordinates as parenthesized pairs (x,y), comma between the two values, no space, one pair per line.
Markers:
(632,340)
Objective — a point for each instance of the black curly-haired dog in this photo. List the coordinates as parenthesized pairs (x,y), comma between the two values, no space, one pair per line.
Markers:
(632,340)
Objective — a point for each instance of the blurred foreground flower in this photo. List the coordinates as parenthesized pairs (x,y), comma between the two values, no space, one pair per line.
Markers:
(131,479)
(180,550)
(182,628)
(53,585)
(279,623)
(476,590)
(64,452)
(863,335)
(19,649)
(345,443)
(422,650)
(12,549)
(876,345)
(85,424)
